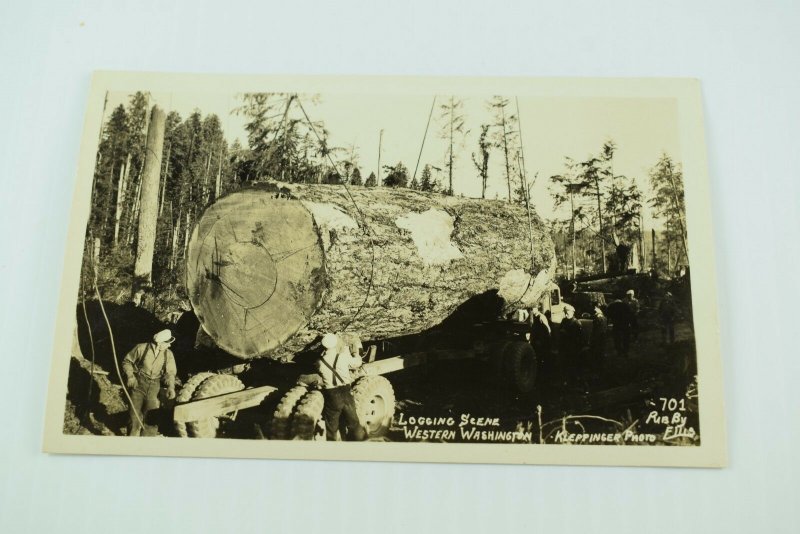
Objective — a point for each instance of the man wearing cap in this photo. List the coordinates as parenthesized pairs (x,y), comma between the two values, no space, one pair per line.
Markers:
(147,366)
(571,336)
(335,367)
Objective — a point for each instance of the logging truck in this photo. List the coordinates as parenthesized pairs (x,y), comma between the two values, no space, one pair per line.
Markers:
(271,268)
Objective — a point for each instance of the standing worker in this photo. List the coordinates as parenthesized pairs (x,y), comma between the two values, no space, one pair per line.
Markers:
(622,320)
(147,367)
(541,333)
(667,312)
(597,340)
(633,304)
(571,336)
(335,367)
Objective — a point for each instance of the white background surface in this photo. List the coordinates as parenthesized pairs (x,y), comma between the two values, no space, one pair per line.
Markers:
(745,53)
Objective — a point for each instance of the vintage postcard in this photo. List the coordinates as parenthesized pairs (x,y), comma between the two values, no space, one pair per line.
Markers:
(493,270)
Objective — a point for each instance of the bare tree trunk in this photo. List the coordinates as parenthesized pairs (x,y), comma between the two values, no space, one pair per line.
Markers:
(96,252)
(642,253)
(484,176)
(164,183)
(505,152)
(120,201)
(450,165)
(176,230)
(219,174)
(109,200)
(148,214)
(378,175)
(680,214)
(525,194)
(133,219)
(99,140)
(600,218)
(653,243)
(585,261)
(669,258)
(285,132)
(186,233)
(122,194)
(206,185)
(572,224)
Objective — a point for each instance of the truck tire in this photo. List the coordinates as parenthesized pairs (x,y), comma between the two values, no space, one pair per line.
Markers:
(374,400)
(282,417)
(498,361)
(521,366)
(212,387)
(185,395)
(307,422)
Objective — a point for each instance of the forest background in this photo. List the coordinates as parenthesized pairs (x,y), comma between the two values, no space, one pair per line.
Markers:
(605,173)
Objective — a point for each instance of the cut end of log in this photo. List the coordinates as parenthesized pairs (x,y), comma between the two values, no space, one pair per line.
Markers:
(519,289)
(255,271)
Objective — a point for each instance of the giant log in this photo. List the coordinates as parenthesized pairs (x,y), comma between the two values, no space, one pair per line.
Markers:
(269,268)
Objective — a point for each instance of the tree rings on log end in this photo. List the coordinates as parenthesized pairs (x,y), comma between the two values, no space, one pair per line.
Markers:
(255,271)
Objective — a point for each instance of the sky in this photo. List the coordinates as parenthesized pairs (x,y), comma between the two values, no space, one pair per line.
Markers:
(552,128)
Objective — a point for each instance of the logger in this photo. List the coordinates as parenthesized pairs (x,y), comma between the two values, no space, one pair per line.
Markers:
(272,267)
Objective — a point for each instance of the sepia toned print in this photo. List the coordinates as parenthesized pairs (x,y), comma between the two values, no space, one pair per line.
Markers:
(392,269)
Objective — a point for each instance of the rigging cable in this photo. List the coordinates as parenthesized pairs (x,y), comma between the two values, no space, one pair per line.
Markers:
(114,349)
(524,188)
(524,175)
(424,136)
(365,226)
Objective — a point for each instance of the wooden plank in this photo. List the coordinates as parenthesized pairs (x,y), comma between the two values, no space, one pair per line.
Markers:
(222,404)
(389,365)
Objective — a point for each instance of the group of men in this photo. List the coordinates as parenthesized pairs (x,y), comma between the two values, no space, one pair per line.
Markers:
(150,368)
(150,371)
(622,314)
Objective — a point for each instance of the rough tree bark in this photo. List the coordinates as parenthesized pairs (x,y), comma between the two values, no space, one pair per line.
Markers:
(148,211)
(267,274)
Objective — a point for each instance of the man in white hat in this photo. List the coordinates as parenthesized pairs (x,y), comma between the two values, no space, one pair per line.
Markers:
(335,367)
(147,366)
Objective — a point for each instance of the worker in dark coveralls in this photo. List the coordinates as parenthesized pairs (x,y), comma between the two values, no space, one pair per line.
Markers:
(571,336)
(541,333)
(621,316)
(148,367)
(335,366)
(633,303)
(667,312)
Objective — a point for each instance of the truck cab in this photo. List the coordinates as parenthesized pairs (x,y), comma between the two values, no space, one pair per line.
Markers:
(552,302)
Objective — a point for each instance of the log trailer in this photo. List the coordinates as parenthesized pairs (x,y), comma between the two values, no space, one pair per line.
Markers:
(271,268)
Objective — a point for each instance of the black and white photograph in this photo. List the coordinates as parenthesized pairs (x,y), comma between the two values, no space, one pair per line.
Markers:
(402,267)
(487,262)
